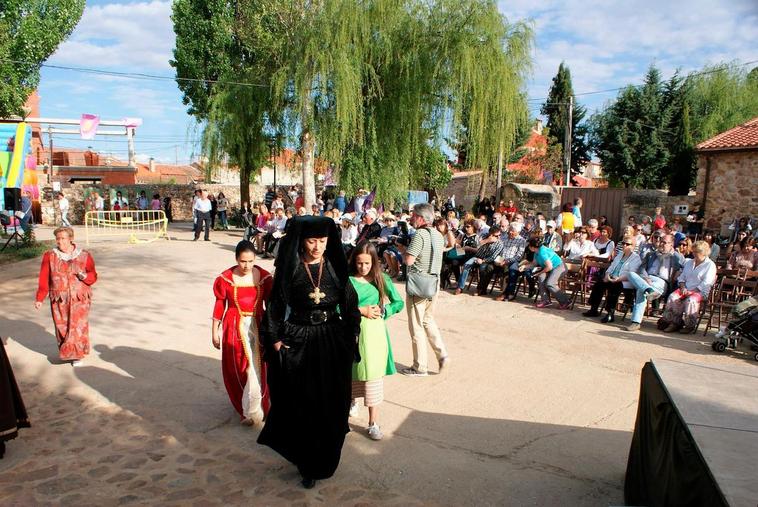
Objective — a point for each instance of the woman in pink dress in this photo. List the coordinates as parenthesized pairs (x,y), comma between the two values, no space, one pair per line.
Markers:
(240,292)
(66,276)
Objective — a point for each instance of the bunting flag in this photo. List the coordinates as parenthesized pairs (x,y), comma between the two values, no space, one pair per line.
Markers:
(369,202)
(350,208)
(88,125)
(380,209)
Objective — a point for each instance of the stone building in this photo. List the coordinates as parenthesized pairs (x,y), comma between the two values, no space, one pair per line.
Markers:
(727,178)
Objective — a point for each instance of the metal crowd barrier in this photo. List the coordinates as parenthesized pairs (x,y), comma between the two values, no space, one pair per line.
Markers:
(140,226)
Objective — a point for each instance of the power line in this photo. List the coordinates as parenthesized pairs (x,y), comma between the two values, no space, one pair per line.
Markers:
(134,75)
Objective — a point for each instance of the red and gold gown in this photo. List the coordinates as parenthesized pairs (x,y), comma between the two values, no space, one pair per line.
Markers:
(70,298)
(240,308)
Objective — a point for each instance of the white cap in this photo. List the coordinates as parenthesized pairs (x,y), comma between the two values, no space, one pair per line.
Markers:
(550,223)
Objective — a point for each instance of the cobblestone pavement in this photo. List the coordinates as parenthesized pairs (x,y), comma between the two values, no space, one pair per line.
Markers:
(81,453)
(536,408)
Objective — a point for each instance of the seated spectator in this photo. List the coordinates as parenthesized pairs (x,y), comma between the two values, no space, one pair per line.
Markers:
(592,229)
(734,246)
(740,225)
(511,208)
(301,211)
(514,246)
(676,225)
(606,248)
(602,221)
(695,282)
(715,248)
(258,230)
(580,246)
(548,268)
(348,231)
(482,228)
(615,280)
(371,229)
(489,249)
(275,227)
(685,248)
(527,229)
(647,226)
(467,243)
(746,258)
(639,237)
(652,244)
(658,272)
(552,239)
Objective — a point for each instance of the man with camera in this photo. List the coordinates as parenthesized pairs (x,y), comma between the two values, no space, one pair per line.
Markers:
(423,257)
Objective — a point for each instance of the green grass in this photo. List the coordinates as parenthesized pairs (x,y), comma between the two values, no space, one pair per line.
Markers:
(11,254)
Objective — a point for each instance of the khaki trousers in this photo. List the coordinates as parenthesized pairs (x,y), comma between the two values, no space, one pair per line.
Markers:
(423,328)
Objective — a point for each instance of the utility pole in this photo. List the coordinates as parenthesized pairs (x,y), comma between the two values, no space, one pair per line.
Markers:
(176,154)
(50,137)
(130,146)
(567,142)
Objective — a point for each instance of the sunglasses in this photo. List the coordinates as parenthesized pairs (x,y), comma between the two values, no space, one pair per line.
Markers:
(627,244)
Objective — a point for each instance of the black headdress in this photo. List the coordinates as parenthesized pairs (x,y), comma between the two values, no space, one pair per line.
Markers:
(288,258)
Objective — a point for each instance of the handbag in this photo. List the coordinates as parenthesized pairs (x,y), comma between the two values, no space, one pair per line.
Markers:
(420,284)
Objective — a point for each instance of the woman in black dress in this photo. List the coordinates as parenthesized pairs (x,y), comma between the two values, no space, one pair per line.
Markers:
(12,411)
(310,330)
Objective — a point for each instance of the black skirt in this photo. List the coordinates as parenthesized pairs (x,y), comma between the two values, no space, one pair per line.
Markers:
(310,382)
(12,411)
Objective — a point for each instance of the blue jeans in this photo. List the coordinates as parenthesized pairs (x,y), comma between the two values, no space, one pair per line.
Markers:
(513,276)
(222,219)
(657,284)
(464,272)
(64,219)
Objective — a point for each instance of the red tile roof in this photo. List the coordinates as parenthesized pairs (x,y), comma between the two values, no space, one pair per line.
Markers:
(164,173)
(742,137)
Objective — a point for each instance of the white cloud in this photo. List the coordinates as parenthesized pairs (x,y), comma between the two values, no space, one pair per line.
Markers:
(131,37)
(611,44)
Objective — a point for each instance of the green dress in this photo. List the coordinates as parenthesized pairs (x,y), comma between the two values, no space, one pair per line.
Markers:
(374,341)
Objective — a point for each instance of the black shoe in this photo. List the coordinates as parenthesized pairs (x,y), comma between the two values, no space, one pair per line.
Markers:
(608,318)
(591,313)
(206,239)
(308,483)
(195,239)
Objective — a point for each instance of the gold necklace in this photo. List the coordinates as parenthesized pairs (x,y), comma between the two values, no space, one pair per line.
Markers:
(317,295)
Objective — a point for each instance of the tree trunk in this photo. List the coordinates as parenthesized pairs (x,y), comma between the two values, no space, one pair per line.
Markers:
(309,183)
(483,184)
(245,185)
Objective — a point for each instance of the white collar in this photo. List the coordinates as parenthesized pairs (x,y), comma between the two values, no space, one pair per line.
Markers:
(67,257)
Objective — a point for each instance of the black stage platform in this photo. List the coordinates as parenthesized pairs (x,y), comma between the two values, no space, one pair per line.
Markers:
(696,437)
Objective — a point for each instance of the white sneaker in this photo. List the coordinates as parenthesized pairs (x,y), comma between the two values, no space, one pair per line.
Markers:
(413,372)
(355,410)
(76,362)
(374,432)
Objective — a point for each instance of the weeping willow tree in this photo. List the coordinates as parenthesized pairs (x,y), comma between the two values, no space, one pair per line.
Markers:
(372,85)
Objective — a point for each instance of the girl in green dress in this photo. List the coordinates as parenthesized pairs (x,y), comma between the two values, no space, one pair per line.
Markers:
(374,288)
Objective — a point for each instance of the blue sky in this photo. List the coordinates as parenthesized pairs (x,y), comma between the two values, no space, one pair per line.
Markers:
(606,44)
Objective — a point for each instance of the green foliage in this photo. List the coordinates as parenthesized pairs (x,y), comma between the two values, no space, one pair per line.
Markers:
(374,83)
(30,31)
(646,137)
(555,109)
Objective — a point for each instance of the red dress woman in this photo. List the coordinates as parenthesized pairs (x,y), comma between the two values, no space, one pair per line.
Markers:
(240,292)
(66,276)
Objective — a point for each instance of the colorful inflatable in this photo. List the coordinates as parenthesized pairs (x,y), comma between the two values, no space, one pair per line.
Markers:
(14,147)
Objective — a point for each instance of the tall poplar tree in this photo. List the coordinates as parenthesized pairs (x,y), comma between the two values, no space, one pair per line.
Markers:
(555,109)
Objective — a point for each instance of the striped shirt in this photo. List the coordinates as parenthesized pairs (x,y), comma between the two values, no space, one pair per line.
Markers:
(421,249)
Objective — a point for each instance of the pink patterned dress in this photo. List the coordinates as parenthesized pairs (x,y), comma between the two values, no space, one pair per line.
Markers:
(67,280)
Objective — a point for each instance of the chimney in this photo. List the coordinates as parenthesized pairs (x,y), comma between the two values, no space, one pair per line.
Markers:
(538,126)
(151,164)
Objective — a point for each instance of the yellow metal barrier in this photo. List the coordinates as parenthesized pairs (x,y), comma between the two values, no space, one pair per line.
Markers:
(141,226)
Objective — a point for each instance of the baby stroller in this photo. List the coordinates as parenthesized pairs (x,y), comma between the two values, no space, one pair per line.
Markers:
(744,325)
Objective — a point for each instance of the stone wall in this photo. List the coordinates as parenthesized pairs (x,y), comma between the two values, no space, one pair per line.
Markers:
(732,187)
(544,199)
(465,187)
(181,198)
(639,203)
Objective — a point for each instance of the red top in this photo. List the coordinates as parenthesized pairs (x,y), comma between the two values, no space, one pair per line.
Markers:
(511,209)
(247,297)
(57,275)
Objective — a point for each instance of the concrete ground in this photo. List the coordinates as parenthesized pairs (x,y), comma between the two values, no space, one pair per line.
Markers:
(537,407)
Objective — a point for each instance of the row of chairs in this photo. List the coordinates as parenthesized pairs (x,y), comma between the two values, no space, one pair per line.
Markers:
(732,287)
